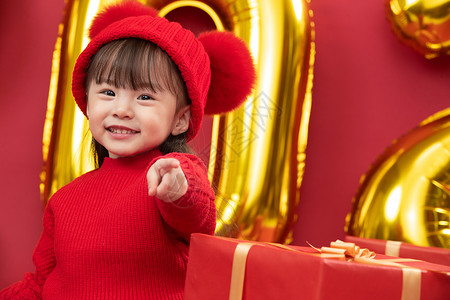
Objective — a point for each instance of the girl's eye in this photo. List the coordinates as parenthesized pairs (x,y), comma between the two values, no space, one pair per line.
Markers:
(109,93)
(145,97)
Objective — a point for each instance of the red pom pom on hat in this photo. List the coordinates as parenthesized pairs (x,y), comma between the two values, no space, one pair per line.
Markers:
(232,71)
(117,12)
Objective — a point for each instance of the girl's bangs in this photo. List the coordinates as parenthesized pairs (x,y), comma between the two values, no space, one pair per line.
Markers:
(135,64)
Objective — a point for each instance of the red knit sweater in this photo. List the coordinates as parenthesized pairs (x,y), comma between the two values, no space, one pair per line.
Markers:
(105,238)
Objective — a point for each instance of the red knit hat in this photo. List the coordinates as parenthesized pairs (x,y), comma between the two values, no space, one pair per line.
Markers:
(216,67)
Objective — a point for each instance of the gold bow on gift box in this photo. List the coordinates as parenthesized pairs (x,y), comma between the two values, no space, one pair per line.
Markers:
(343,250)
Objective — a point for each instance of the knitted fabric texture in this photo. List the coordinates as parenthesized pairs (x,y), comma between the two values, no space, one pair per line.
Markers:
(105,238)
(188,53)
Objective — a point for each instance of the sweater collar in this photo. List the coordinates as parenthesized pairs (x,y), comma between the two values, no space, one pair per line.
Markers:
(139,161)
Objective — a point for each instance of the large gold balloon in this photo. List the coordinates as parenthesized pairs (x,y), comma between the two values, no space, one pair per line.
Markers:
(257,152)
(422,24)
(405,195)
(66,138)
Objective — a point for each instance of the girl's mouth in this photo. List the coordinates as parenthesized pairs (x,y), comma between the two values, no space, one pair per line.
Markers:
(121,130)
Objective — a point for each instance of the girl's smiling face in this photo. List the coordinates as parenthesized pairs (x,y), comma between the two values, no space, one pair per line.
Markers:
(136,98)
(130,121)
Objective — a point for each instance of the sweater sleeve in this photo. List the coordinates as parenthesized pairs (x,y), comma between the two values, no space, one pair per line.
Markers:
(196,210)
(44,259)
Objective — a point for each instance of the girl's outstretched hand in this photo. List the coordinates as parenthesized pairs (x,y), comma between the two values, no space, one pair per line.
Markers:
(166,180)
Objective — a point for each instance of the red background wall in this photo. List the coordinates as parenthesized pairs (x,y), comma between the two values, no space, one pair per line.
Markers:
(368,90)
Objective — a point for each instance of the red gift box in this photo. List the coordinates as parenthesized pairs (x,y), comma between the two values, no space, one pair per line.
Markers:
(400,249)
(271,272)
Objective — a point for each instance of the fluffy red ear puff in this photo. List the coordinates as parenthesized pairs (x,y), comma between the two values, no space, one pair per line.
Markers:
(118,12)
(232,71)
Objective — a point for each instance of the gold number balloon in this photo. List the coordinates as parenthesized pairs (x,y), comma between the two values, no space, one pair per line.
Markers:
(66,138)
(424,25)
(405,195)
(257,152)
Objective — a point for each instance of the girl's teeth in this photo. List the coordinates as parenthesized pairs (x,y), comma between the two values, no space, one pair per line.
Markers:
(121,131)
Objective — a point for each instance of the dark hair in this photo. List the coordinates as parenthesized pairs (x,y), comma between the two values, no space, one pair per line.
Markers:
(135,63)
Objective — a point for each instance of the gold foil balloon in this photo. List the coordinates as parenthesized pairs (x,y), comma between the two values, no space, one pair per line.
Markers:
(257,152)
(66,138)
(405,195)
(424,25)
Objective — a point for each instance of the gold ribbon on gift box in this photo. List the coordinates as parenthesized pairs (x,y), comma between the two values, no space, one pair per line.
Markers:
(393,248)
(411,276)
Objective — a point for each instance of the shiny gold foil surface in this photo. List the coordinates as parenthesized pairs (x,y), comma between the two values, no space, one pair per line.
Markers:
(66,137)
(405,195)
(423,25)
(257,153)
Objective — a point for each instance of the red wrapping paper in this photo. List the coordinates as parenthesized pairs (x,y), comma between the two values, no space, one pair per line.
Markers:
(275,273)
(431,254)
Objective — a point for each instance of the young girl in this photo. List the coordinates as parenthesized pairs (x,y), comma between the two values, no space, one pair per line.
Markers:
(122,231)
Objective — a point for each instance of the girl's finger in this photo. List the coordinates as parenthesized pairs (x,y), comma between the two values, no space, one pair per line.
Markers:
(153,179)
(166,164)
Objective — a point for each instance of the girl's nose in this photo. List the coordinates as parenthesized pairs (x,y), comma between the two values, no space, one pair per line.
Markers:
(123,108)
